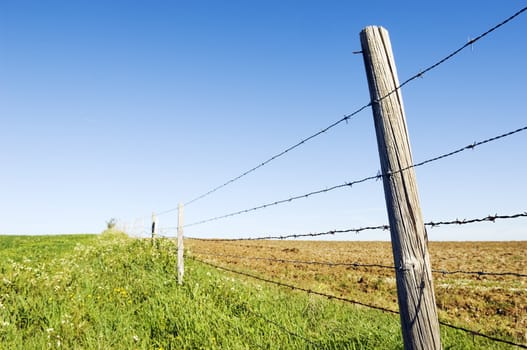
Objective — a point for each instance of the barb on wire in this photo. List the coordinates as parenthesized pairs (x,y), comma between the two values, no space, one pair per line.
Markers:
(490,218)
(468,147)
(309,291)
(347,117)
(369,178)
(358,265)
(455,52)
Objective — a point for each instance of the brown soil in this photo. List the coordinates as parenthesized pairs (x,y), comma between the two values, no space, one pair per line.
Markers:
(494,305)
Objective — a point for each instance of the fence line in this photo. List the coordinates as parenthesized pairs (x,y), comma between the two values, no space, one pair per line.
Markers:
(490,218)
(347,117)
(359,265)
(309,291)
(355,182)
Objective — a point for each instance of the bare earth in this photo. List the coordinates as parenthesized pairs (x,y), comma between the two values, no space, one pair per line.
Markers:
(494,305)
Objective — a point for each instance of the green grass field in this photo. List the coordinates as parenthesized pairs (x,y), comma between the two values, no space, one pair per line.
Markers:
(109,291)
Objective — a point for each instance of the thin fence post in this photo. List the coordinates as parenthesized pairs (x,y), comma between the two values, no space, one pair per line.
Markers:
(154,227)
(180,261)
(419,322)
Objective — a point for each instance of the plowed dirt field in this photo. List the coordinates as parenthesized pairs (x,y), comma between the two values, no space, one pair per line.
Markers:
(492,304)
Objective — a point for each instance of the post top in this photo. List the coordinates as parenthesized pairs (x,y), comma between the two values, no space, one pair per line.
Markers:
(372,28)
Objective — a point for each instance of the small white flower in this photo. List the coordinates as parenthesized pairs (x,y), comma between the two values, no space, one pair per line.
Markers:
(135,338)
(49,330)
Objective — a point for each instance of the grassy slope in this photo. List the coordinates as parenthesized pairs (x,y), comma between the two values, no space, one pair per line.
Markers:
(90,292)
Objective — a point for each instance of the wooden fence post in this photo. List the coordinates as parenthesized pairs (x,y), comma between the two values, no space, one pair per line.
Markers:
(420,325)
(154,227)
(180,261)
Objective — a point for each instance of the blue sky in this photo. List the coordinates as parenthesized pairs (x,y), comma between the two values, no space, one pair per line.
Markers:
(122,108)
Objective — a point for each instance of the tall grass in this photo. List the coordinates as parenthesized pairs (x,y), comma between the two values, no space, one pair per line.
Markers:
(113,292)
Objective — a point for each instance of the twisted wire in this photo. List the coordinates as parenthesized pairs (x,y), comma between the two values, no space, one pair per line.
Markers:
(432,224)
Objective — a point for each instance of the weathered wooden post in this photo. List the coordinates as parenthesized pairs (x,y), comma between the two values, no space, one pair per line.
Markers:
(154,227)
(180,261)
(420,325)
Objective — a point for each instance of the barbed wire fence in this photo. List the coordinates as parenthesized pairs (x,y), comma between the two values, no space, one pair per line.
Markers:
(198,256)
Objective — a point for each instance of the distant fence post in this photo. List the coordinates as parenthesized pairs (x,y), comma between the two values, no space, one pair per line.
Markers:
(180,261)
(154,227)
(420,325)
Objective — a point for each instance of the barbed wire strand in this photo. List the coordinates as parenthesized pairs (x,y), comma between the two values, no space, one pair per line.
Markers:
(309,291)
(356,182)
(466,330)
(235,324)
(325,263)
(282,237)
(276,324)
(357,265)
(489,218)
(479,273)
(280,327)
(432,224)
(347,117)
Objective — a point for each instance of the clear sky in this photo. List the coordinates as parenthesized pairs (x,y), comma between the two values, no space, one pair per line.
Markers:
(121,108)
